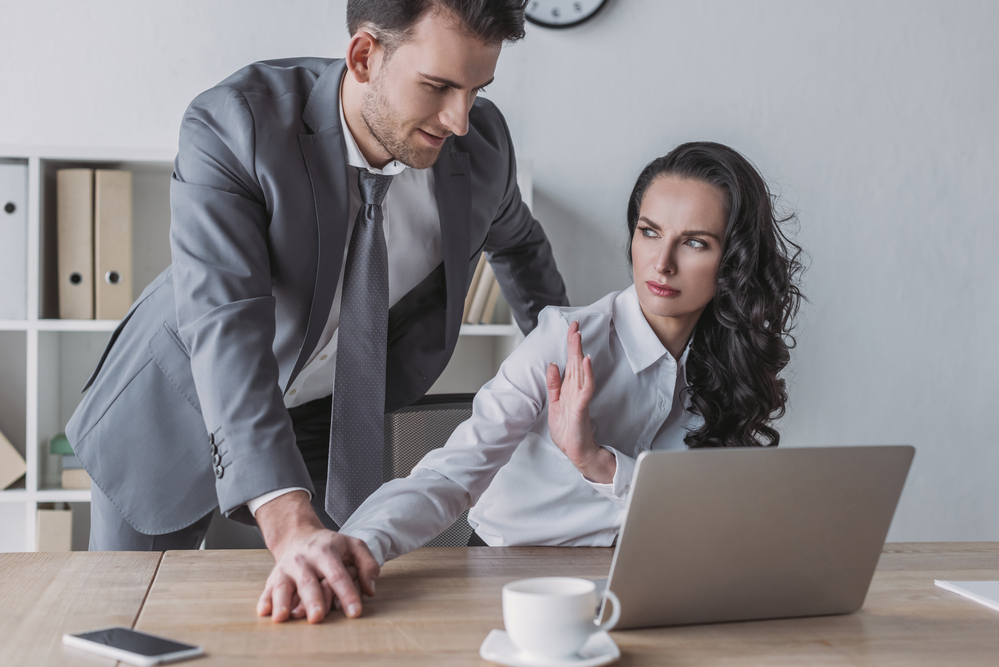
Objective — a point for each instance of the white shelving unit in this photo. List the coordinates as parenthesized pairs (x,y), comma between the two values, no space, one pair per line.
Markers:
(44,361)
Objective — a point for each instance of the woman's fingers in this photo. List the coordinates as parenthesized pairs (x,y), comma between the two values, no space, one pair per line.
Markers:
(554,381)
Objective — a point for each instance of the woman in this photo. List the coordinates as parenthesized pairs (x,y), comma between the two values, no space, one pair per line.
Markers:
(688,356)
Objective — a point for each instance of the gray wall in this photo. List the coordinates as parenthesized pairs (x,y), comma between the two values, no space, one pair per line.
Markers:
(875,120)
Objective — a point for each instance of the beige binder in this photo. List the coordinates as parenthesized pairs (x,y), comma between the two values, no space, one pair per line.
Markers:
(486,281)
(490,307)
(54,530)
(112,243)
(12,465)
(471,288)
(75,230)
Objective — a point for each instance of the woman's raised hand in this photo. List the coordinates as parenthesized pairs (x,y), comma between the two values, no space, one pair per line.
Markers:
(569,412)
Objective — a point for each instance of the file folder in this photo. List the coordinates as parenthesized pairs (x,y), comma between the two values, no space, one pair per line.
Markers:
(75,232)
(13,242)
(112,243)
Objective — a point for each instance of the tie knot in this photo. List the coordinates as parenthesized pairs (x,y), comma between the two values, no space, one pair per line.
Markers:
(372,186)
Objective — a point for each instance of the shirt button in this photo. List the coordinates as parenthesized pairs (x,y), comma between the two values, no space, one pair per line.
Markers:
(218,471)
(217,460)
(215,449)
(324,357)
(293,392)
(627,488)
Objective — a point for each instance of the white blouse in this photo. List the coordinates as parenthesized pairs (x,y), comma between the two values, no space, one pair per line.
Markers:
(502,461)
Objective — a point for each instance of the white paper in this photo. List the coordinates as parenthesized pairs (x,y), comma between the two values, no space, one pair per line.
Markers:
(982,592)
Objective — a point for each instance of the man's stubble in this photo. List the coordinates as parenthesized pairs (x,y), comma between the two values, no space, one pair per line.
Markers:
(387,129)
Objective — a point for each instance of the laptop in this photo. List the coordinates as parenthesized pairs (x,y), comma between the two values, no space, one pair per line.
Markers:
(747,534)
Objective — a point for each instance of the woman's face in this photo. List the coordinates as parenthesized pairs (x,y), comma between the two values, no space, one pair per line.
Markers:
(676,251)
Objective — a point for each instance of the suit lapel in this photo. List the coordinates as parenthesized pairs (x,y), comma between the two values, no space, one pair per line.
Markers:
(452,176)
(324,153)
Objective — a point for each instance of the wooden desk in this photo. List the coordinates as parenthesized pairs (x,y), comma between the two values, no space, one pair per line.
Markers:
(435,606)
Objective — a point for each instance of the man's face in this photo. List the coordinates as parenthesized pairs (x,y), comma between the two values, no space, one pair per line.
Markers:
(422,93)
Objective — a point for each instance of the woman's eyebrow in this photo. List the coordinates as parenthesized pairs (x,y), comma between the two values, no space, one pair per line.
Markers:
(688,232)
(701,232)
(650,223)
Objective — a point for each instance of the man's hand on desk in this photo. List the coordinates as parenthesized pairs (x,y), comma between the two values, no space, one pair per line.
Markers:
(313,565)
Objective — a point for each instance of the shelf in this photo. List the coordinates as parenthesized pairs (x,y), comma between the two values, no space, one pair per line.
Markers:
(77,325)
(14,496)
(14,325)
(58,325)
(46,496)
(62,495)
(490,330)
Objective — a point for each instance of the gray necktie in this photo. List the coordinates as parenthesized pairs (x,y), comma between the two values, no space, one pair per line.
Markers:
(357,431)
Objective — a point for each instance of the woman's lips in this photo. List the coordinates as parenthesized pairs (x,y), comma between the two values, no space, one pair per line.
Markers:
(662,290)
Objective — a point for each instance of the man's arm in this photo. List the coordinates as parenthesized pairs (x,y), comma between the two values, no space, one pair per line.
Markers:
(520,253)
(226,318)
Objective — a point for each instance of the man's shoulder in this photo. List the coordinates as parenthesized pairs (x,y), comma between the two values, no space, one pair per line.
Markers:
(276,78)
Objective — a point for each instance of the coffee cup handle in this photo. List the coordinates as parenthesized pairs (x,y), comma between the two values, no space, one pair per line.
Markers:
(615,614)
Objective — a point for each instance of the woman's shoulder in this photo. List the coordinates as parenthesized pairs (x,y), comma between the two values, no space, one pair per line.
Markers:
(594,319)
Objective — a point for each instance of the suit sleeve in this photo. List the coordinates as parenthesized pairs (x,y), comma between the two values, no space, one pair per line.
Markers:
(225,309)
(520,254)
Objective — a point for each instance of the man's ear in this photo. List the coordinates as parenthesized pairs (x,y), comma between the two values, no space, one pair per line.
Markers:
(362,52)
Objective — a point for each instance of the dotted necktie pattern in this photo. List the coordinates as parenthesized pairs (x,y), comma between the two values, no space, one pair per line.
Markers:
(357,431)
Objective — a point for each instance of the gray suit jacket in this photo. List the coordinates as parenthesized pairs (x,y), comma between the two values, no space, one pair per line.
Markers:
(259,222)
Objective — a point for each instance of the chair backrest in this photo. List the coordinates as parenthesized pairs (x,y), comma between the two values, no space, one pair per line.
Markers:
(413,431)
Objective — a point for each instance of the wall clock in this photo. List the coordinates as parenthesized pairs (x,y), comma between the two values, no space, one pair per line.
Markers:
(562,13)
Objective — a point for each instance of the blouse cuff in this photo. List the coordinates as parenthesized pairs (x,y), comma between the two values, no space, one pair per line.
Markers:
(618,488)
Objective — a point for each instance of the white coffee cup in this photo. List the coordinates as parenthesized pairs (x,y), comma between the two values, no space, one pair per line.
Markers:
(552,617)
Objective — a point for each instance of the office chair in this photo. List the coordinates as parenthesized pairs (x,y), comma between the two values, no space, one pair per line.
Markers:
(413,431)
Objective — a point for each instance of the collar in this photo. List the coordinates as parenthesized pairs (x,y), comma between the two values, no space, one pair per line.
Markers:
(355,158)
(641,344)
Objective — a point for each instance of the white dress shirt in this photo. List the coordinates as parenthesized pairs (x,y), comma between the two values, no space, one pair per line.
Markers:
(502,461)
(413,239)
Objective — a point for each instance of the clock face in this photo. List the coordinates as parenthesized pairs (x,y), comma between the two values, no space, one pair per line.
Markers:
(561,13)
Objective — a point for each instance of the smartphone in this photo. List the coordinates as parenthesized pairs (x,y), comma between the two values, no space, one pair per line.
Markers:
(135,648)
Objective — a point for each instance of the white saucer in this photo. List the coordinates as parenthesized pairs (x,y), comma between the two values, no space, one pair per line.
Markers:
(599,649)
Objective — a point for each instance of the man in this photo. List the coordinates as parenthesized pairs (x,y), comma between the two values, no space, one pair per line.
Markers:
(326,220)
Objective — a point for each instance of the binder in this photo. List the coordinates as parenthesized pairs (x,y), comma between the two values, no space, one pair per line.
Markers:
(112,243)
(471,288)
(486,281)
(13,242)
(12,466)
(54,530)
(75,231)
(490,307)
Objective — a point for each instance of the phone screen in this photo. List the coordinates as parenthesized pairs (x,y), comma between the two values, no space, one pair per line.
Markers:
(134,642)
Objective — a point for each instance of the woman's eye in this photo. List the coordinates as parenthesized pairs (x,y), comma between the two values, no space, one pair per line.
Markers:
(648,232)
(696,243)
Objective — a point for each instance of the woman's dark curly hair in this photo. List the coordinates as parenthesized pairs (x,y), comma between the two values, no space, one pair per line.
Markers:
(742,340)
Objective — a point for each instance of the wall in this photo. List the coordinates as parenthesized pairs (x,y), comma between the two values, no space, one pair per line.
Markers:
(875,120)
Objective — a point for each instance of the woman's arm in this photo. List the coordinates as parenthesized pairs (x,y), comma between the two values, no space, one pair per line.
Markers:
(405,513)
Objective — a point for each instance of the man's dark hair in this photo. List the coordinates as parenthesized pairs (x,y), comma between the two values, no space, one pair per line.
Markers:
(392,21)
